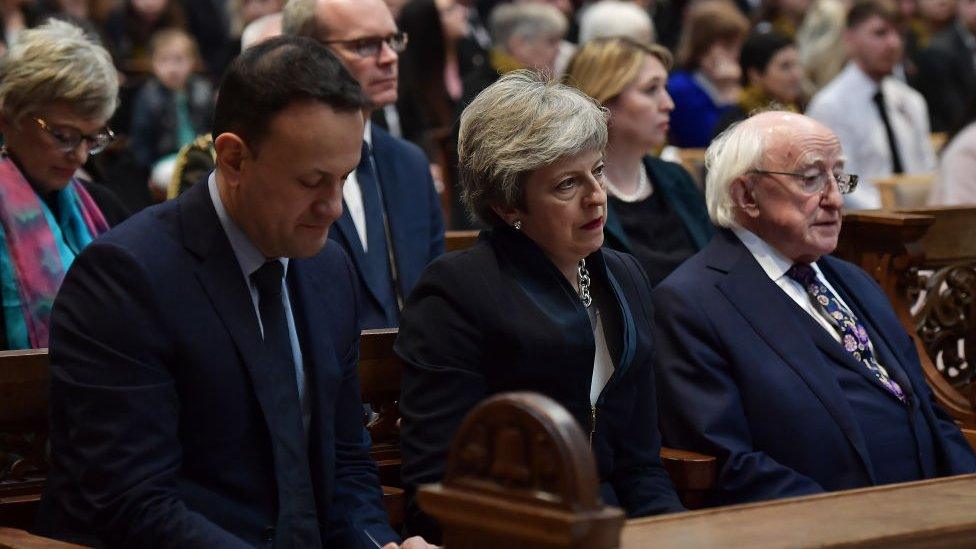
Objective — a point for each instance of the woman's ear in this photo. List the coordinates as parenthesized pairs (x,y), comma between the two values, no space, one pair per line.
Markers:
(507,214)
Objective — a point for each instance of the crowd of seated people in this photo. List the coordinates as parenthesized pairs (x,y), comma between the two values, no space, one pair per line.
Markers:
(203,203)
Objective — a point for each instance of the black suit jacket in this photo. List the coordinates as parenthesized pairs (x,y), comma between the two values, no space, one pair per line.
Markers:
(946,77)
(500,317)
(165,428)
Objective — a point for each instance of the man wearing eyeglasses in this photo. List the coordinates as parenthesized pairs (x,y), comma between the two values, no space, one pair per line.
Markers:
(391,224)
(785,363)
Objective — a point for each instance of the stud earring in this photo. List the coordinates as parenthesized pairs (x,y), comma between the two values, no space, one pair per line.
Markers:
(517,224)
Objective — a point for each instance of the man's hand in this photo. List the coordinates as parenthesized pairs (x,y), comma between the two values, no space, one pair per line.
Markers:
(415,542)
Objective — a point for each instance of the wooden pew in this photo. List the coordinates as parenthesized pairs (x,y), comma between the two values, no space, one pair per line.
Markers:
(12,538)
(23,433)
(459,240)
(380,375)
(925,260)
(519,475)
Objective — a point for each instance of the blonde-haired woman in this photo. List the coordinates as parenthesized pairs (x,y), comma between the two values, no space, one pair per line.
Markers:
(57,91)
(654,209)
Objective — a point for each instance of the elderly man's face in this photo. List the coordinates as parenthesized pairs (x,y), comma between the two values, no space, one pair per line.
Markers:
(802,226)
(341,23)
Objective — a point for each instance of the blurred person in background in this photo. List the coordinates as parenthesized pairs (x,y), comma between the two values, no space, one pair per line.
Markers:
(955,184)
(524,35)
(882,123)
(171,109)
(57,91)
(614,18)
(707,82)
(130,27)
(431,71)
(947,70)
(654,209)
(771,76)
(783,16)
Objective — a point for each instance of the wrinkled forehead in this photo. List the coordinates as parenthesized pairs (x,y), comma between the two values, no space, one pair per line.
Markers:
(802,145)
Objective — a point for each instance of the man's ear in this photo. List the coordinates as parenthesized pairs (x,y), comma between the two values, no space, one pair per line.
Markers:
(743,194)
(231,152)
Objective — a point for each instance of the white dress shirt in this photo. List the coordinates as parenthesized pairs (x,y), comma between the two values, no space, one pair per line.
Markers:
(847,107)
(602,363)
(352,195)
(250,259)
(956,182)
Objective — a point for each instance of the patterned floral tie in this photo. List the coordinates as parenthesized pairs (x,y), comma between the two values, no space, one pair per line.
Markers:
(853,336)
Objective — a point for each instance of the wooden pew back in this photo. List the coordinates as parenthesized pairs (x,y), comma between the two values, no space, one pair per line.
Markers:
(925,260)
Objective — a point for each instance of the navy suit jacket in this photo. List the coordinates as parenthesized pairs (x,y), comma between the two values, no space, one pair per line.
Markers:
(414,212)
(162,417)
(741,377)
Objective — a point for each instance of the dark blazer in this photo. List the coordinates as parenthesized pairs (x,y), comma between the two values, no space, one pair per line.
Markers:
(946,77)
(749,377)
(680,194)
(414,212)
(500,317)
(165,427)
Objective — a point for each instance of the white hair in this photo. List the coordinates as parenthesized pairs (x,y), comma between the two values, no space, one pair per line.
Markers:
(525,20)
(298,18)
(261,29)
(735,152)
(616,18)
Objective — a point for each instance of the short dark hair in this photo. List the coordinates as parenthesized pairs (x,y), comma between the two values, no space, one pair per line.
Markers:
(759,49)
(270,76)
(863,10)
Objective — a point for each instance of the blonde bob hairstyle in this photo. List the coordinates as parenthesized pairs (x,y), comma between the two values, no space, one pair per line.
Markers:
(605,67)
(57,63)
(522,122)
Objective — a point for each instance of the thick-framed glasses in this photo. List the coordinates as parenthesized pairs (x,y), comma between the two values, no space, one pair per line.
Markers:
(372,45)
(811,184)
(68,139)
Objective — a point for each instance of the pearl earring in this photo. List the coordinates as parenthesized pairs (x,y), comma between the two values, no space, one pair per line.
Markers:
(517,224)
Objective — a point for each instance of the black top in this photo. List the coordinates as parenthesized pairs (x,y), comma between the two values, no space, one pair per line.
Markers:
(658,237)
(500,317)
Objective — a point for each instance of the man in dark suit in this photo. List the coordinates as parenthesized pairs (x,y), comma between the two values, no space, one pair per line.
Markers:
(203,355)
(391,224)
(946,71)
(787,364)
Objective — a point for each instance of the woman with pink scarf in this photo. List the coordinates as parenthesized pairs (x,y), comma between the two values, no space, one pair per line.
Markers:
(57,91)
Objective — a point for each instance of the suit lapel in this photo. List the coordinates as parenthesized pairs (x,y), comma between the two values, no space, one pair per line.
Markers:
(776,319)
(222,280)
(392,193)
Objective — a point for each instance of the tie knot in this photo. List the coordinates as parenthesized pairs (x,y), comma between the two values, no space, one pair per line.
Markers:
(802,273)
(268,278)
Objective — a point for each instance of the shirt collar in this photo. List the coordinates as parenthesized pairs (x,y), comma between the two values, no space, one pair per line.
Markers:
(368,133)
(862,80)
(249,257)
(774,263)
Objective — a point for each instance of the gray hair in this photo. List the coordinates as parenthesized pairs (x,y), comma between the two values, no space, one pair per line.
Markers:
(525,20)
(522,122)
(298,18)
(57,63)
(732,154)
(616,18)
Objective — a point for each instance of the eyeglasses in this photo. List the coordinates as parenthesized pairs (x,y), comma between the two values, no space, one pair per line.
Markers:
(811,184)
(371,46)
(68,139)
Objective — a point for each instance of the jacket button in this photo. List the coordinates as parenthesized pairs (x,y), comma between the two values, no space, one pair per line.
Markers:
(269,534)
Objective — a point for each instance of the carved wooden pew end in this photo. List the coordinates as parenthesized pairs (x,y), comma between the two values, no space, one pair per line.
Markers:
(520,474)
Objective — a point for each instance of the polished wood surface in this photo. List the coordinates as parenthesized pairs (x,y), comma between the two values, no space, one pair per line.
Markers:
(520,474)
(932,513)
(459,240)
(11,538)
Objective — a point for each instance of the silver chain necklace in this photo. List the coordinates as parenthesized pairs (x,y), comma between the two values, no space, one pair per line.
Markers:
(583,278)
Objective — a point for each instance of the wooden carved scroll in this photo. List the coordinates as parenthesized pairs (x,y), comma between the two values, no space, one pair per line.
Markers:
(520,474)
(946,323)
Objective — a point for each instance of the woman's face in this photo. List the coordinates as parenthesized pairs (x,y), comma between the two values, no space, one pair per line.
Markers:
(642,112)
(565,208)
(38,151)
(454,19)
(783,79)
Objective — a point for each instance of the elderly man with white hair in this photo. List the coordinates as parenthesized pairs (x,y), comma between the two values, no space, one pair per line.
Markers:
(789,365)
